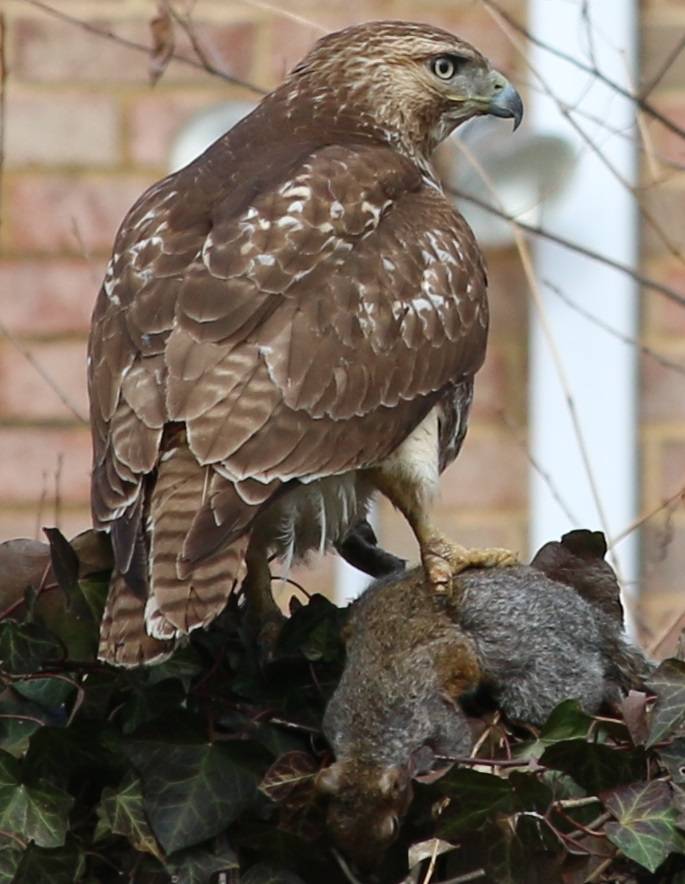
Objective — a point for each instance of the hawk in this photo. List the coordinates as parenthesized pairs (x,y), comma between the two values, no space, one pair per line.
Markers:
(287,325)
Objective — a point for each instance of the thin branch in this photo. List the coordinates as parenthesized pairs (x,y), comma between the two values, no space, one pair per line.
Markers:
(502,22)
(26,353)
(291,16)
(668,292)
(640,101)
(108,34)
(646,516)
(537,466)
(663,70)
(538,301)
(626,339)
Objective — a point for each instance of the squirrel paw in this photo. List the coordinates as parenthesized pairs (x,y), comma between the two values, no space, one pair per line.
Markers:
(443,560)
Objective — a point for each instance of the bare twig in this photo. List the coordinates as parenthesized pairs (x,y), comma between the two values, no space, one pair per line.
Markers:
(503,23)
(595,320)
(108,34)
(284,13)
(26,353)
(663,70)
(640,101)
(538,301)
(646,516)
(668,292)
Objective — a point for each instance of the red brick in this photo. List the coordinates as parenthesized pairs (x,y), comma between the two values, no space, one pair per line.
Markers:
(500,386)
(49,51)
(29,521)
(665,316)
(666,205)
(46,209)
(155,121)
(48,297)
(26,395)
(663,555)
(490,473)
(397,537)
(671,468)
(508,296)
(656,44)
(662,389)
(29,459)
(67,128)
(668,144)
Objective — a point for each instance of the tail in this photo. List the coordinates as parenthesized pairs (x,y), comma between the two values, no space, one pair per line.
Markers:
(181,594)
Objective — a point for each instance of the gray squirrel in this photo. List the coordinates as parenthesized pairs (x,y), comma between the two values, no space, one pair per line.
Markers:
(532,635)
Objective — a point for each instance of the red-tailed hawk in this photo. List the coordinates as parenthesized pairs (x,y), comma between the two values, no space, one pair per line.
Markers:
(288,324)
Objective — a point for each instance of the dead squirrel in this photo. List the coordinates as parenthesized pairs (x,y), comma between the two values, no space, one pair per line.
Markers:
(534,635)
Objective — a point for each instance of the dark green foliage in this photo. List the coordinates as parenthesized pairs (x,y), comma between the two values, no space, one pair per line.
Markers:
(202,769)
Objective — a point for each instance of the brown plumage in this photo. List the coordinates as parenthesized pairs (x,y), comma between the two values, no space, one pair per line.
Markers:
(277,320)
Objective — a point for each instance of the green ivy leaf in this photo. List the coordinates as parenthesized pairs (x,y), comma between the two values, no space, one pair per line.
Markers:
(673,758)
(65,565)
(668,683)
(476,798)
(313,632)
(65,865)
(121,812)
(594,766)
(39,812)
(10,857)
(645,828)
(197,865)
(191,791)
(50,693)
(24,647)
(566,722)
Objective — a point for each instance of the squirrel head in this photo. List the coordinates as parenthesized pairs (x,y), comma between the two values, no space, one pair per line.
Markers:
(366,802)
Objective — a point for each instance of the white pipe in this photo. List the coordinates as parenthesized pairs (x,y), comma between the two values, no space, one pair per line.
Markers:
(600,212)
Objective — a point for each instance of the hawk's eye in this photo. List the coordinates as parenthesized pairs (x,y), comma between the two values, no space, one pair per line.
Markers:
(446,66)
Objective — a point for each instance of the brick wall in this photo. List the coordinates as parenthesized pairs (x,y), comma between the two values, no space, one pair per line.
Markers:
(663,389)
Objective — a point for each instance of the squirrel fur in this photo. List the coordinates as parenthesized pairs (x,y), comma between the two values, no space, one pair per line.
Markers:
(533,636)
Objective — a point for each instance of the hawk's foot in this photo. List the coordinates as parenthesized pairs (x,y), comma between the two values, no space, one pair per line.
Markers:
(443,560)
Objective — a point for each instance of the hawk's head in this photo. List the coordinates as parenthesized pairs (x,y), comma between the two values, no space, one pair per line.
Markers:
(414,82)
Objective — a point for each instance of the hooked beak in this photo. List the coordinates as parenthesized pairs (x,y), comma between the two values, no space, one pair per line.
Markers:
(505,100)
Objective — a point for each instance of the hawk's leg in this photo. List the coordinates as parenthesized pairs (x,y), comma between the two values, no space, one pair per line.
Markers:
(263,616)
(441,557)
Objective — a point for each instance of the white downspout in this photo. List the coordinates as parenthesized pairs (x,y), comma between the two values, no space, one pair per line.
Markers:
(600,212)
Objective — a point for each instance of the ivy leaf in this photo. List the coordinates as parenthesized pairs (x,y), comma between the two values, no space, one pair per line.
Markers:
(121,811)
(668,683)
(65,563)
(592,765)
(634,709)
(566,722)
(191,791)
(673,758)
(64,865)
(476,797)
(50,693)
(313,632)
(289,773)
(645,828)
(10,857)
(22,565)
(198,864)
(38,812)
(24,647)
